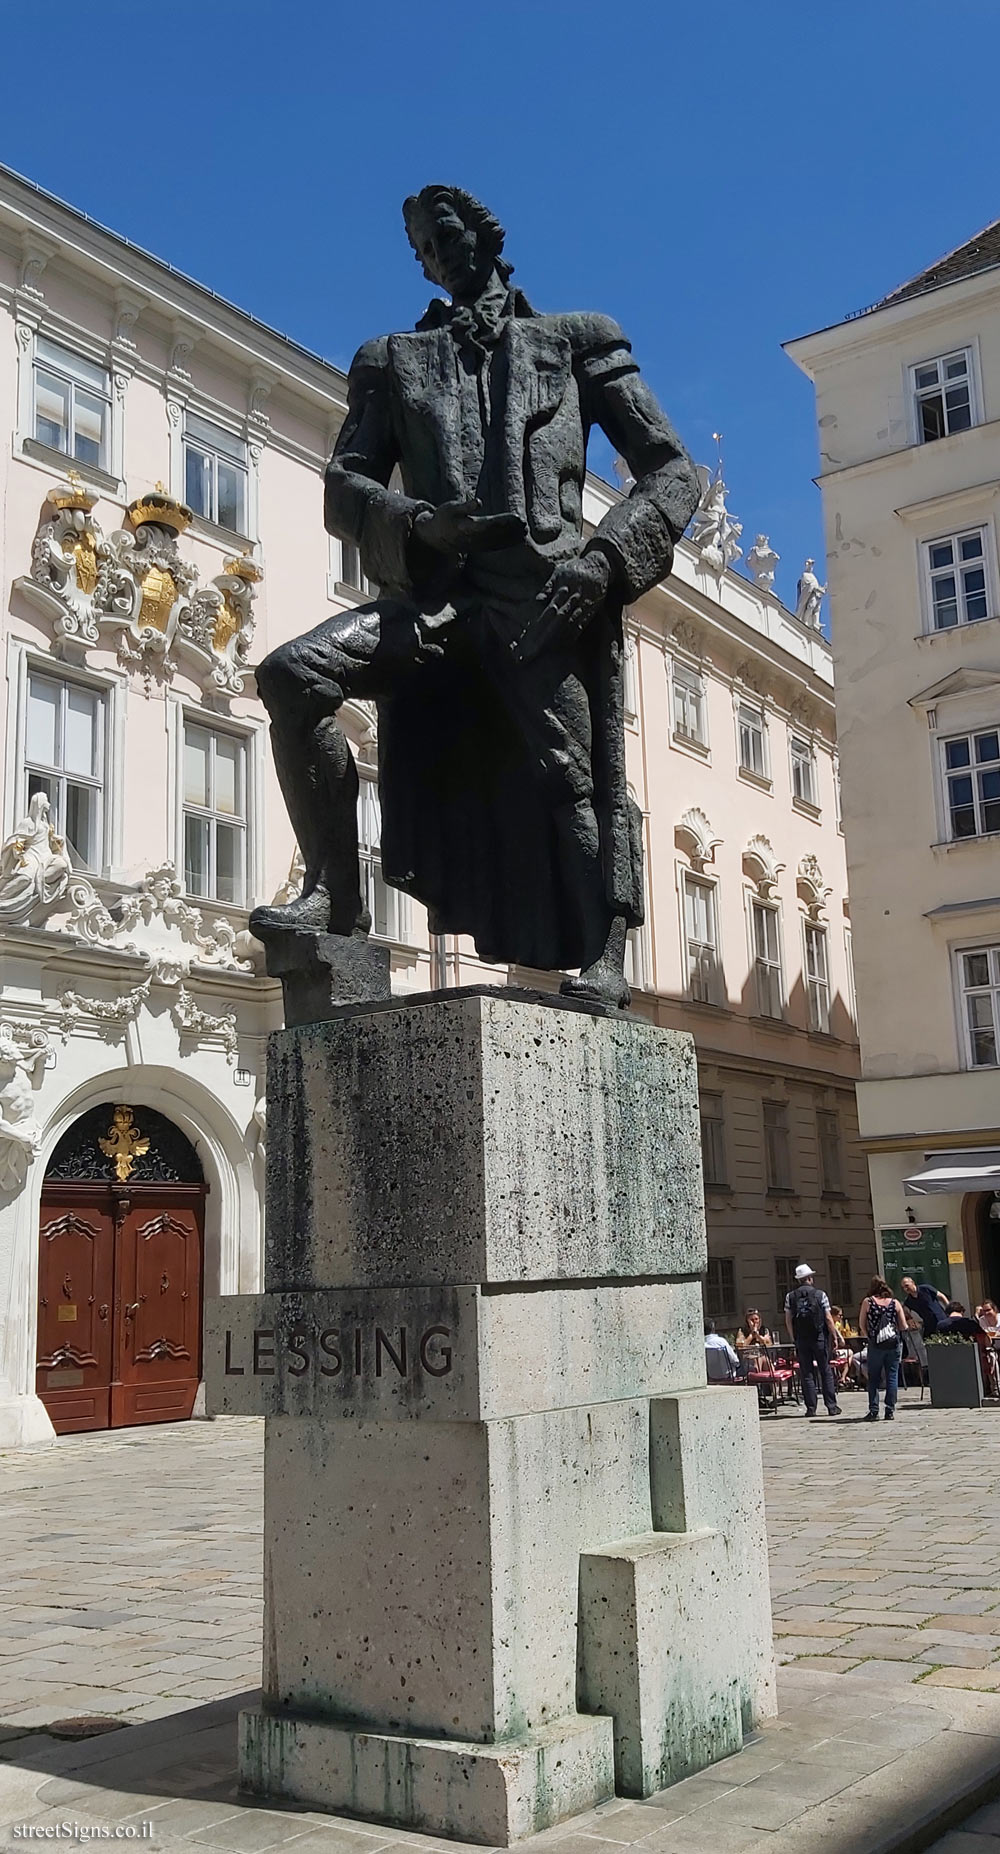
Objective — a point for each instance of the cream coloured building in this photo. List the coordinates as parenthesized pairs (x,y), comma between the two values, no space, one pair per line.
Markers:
(908,405)
(142,820)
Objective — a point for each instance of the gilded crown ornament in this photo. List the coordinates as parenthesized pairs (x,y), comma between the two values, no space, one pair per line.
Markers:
(124,1143)
(160,507)
(73,494)
(244,567)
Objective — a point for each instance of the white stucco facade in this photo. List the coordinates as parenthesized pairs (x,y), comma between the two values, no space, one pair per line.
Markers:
(908,404)
(129,976)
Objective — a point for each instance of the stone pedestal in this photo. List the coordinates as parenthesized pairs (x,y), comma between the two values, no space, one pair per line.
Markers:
(480,1354)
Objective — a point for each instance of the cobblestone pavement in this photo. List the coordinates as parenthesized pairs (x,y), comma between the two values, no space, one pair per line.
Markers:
(132,1589)
(131,1571)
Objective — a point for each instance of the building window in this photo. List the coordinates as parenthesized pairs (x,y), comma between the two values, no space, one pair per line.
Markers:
(852,996)
(384,904)
(777,1146)
(215,473)
(831,1156)
(215,814)
(701,937)
(956,566)
(64,758)
(817,978)
(838,1273)
(720,1288)
(713,1140)
(72,404)
(751,726)
(689,704)
(980,982)
(784,1277)
(767,959)
(803,771)
(972,779)
(630,675)
(943,393)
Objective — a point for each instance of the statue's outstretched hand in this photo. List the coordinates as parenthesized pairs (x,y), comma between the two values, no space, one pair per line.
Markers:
(462,528)
(572,596)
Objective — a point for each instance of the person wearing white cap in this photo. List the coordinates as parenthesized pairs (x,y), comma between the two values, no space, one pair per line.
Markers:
(809,1323)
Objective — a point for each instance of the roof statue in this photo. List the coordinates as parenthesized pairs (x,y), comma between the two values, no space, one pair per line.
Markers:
(762,561)
(809,597)
(494,646)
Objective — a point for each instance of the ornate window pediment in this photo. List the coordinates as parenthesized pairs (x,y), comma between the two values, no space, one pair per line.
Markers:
(762,866)
(812,889)
(135,583)
(698,837)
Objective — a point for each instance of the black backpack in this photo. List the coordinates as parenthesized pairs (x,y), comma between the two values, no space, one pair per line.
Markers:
(808,1315)
(883,1324)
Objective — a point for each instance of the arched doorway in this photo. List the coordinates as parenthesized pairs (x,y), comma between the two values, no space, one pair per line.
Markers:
(983,1251)
(120,1272)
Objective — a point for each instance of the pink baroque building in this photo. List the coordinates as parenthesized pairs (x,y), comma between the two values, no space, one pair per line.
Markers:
(161,497)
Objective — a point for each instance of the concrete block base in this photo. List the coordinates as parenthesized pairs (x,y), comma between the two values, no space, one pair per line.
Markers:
(655,1652)
(493,1794)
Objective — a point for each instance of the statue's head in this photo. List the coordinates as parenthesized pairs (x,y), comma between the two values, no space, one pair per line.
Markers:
(457,240)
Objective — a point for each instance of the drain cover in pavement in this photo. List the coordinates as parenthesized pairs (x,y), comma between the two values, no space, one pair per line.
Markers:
(88,1725)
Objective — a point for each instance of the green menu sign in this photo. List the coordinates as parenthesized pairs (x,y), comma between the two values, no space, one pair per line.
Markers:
(917,1249)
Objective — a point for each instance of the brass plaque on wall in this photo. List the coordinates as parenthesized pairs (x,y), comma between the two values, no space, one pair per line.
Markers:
(63,1380)
(66,1311)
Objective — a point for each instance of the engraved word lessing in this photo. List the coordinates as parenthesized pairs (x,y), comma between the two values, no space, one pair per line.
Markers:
(335,1351)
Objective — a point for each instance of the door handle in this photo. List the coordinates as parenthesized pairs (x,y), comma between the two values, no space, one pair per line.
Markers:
(132,1310)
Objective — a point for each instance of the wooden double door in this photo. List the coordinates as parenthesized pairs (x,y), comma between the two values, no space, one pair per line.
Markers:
(119,1303)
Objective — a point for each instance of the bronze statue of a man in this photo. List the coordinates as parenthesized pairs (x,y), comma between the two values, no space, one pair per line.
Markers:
(494,646)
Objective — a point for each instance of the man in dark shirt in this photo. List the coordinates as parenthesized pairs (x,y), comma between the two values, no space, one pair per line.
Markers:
(927,1302)
(956,1320)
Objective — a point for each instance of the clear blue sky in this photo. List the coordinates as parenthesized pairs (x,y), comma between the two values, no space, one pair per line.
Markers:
(718,178)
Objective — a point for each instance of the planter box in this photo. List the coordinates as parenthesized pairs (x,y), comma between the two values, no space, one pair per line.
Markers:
(955,1377)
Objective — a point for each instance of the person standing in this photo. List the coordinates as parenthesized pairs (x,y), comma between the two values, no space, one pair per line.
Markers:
(883,1321)
(809,1323)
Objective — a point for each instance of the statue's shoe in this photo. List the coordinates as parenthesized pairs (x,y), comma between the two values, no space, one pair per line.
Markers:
(601,983)
(311,912)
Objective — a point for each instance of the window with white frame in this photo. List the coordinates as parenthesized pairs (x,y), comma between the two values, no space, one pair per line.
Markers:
(215,813)
(385,905)
(831,1155)
(942,390)
(72,404)
(689,704)
(630,675)
(215,473)
(777,1146)
(767,958)
(852,995)
(817,977)
(64,758)
(979,980)
(804,784)
(751,732)
(713,1140)
(972,783)
(351,572)
(701,940)
(956,572)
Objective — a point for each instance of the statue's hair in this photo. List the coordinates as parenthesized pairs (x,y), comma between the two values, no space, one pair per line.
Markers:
(471,211)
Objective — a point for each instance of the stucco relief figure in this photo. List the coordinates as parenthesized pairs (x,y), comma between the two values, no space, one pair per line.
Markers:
(809,597)
(20,1134)
(34,866)
(494,649)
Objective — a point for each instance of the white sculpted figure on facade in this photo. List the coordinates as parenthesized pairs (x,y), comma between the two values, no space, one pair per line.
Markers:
(34,867)
(809,597)
(713,529)
(20,1133)
(762,561)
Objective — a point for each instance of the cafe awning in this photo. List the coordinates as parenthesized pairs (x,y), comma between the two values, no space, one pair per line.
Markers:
(957,1171)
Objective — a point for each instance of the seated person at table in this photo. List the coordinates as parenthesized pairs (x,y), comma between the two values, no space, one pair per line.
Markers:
(841,1356)
(927,1302)
(753,1332)
(721,1361)
(956,1320)
(988,1317)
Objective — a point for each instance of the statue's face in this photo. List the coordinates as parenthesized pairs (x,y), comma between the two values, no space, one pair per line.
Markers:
(449,250)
